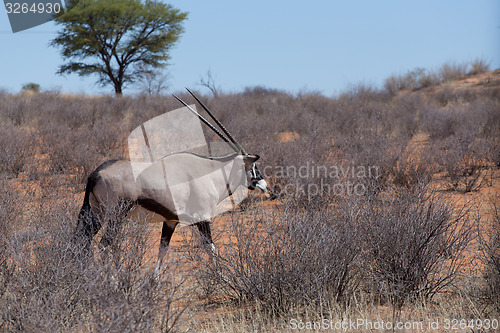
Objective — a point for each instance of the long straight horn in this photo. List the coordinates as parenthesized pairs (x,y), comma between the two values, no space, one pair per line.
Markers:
(218,123)
(208,124)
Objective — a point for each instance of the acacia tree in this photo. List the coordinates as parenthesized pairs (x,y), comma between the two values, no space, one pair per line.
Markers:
(117,40)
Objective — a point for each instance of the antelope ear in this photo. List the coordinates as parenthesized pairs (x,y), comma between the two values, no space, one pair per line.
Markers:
(251,158)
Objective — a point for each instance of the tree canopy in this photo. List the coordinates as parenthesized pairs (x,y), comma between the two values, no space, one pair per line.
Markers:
(117,40)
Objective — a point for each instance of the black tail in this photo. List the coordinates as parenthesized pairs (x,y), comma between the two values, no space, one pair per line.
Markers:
(88,221)
(85,210)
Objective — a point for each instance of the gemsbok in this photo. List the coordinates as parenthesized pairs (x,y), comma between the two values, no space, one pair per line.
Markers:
(182,187)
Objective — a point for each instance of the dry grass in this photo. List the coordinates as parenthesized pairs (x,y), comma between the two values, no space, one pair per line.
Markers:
(420,78)
(400,249)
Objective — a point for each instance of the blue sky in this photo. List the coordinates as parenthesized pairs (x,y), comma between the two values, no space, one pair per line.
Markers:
(324,46)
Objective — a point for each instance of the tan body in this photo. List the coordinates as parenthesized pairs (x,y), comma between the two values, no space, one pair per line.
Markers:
(181,188)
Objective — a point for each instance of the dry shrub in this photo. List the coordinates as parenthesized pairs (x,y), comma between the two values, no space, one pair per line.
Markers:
(284,261)
(449,96)
(66,160)
(414,241)
(10,210)
(478,117)
(421,78)
(452,71)
(15,150)
(47,284)
(414,167)
(369,150)
(490,256)
(416,79)
(478,66)
(463,141)
(404,248)
(494,152)
(438,123)
(15,109)
(312,250)
(464,162)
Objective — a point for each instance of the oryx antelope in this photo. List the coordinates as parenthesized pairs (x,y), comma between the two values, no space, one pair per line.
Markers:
(179,188)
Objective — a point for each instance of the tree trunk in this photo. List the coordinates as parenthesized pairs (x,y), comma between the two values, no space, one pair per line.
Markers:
(118,89)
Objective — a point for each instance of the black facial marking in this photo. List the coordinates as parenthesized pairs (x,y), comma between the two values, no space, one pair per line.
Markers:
(255,176)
